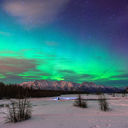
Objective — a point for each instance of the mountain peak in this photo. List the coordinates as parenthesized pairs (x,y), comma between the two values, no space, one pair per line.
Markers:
(67,86)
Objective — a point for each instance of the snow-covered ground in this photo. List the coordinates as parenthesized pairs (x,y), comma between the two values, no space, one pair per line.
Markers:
(50,113)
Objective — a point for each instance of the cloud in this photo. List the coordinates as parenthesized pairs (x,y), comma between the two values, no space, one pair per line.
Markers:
(121,76)
(70,75)
(13,65)
(66,71)
(33,12)
(51,44)
(5,33)
(116,83)
(12,70)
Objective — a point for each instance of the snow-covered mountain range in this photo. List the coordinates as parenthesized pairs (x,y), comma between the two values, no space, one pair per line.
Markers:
(69,86)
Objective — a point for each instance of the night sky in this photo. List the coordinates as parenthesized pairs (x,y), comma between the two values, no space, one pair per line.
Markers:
(71,40)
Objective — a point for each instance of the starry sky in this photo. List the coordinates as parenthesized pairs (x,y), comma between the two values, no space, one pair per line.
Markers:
(71,40)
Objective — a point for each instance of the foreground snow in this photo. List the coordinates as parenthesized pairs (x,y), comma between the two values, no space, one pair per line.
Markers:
(50,113)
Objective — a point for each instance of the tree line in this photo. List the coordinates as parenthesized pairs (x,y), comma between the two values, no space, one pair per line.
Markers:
(17,91)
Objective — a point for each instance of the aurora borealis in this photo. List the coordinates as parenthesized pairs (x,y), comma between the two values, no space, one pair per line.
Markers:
(71,40)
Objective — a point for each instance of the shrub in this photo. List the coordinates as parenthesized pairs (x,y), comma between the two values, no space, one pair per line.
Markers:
(113,94)
(79,102)
(104,106)
(19,110)
(123,94)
